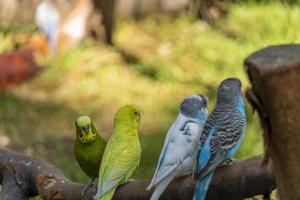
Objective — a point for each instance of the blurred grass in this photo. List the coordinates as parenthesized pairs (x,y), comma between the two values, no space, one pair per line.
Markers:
(158,61)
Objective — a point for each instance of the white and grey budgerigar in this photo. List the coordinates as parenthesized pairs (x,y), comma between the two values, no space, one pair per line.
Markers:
(181,143)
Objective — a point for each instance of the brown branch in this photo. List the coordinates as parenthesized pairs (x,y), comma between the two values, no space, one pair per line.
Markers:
(23,176)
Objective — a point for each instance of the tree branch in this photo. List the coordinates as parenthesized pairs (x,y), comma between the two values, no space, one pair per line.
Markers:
(23,176)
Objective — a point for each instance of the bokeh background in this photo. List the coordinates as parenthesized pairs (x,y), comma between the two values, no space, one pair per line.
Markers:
(169,55)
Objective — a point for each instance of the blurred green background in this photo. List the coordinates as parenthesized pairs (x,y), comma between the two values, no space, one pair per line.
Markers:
(170,57)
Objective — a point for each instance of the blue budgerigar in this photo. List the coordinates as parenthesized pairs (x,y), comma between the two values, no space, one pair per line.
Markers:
(222,134)
(181,143)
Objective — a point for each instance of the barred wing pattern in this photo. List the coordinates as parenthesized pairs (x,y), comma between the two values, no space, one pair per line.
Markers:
(225,139)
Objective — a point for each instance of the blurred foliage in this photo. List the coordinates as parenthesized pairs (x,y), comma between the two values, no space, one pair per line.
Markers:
(291,2)
(157,61)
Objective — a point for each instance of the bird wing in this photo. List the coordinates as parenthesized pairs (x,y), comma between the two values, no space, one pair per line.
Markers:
(117,166)
(180,143)
(222,141)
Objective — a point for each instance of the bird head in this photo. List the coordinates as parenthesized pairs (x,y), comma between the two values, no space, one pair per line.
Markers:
(194,106)
(128,115)
(85,129)
(229,91)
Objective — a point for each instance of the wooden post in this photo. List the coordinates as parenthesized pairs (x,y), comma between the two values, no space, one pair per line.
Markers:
(275,76)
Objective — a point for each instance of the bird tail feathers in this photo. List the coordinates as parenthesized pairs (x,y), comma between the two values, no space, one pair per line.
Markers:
(168,172)
(107,196)
(160,188)
(202,187)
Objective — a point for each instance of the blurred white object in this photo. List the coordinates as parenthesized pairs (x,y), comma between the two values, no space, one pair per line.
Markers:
(66,31)
(73,27)
(47,18)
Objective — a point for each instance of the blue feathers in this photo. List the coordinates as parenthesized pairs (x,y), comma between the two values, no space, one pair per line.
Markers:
(205,154)
(163,156)
(202,118)
(241,105)
(223,134)
(202,187)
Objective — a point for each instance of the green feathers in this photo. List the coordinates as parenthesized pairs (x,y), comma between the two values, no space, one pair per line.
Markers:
(121,156)
(122,153)
(89,146)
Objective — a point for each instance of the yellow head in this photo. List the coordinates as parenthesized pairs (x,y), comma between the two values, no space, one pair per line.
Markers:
(85,129)
(128,115)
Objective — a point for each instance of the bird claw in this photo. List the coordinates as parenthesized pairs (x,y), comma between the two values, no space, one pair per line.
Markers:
(131,180)
(228,162)
(189,173)
(86,188)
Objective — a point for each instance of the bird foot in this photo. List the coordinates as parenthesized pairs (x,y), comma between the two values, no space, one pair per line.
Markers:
(131,180)
(188,173)
(86,188)
(228,162)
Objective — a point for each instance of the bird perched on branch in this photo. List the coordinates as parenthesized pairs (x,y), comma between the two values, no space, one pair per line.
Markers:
(20,65)
(122,153)
(222,135)
(181,143)
(88,148)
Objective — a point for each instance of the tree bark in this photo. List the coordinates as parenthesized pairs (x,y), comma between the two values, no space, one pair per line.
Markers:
(23,176)
(275,76)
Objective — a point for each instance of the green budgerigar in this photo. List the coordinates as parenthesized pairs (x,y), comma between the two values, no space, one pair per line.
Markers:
(122,153)
(89,147)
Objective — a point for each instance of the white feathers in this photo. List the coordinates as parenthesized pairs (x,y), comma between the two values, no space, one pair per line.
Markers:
(46,14)
(178,154)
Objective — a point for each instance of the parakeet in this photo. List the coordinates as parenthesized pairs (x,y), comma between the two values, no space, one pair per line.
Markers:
(222,134)
(47,18)
(89,146)
(181,143)
(122,153)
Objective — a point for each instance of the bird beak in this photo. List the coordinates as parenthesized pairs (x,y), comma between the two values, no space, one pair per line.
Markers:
(86,129)
(88,132)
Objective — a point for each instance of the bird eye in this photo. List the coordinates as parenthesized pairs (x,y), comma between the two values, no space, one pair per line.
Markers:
(135,112)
